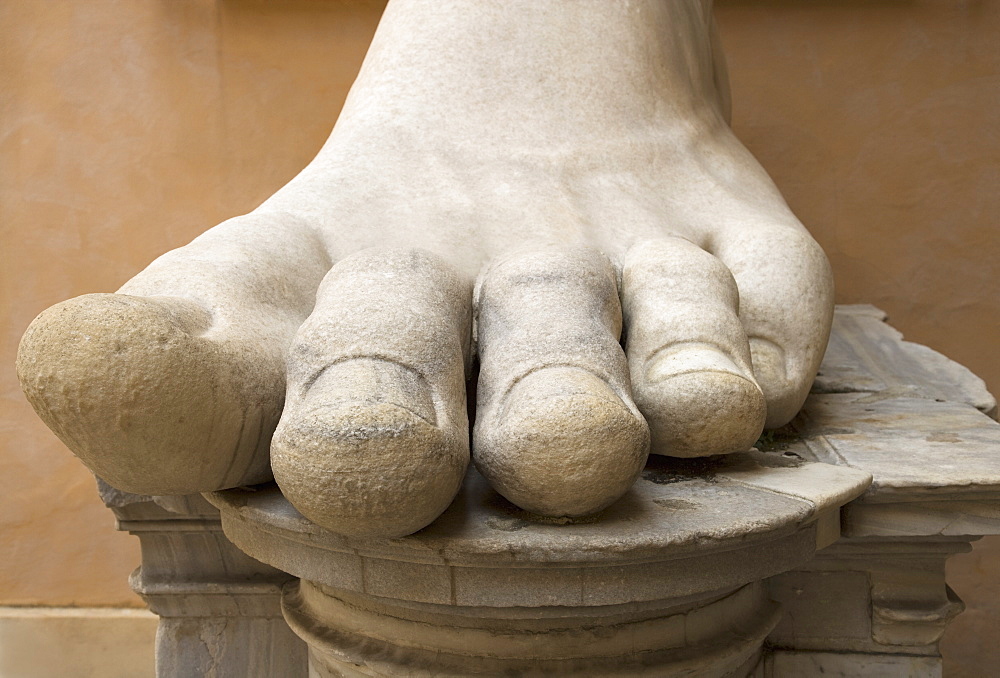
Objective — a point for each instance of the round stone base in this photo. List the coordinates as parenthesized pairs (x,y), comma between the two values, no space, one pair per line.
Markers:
(665,582)
(720,634)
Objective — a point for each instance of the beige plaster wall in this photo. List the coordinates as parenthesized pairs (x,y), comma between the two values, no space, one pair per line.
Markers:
(129,126)
(878,120)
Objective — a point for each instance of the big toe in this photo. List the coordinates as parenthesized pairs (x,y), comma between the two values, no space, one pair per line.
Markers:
(134,387)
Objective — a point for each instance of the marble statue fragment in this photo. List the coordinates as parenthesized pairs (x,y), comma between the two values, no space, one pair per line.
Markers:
(517,186)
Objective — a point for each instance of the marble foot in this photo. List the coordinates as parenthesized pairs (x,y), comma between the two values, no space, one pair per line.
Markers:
(643,287)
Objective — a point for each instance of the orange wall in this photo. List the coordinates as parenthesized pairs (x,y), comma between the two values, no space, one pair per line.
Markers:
(129,126)
(878,120)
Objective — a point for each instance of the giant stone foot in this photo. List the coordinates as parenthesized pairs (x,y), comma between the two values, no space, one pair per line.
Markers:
(533,185)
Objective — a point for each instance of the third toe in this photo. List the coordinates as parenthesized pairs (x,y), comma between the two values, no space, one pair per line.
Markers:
(556,430)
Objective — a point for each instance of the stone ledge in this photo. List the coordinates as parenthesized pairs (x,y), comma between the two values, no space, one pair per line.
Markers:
(685,528)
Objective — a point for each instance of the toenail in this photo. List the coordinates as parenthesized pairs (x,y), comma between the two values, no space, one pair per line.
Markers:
(565,443)
(689,357)
(373,381)
(562,381)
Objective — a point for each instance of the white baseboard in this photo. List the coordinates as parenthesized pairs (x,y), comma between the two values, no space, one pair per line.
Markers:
(83,642)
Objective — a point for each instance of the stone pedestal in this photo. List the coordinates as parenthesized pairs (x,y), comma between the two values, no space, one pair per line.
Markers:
(743,565)
(219,609)
(668,581)
(717,634)
(865,607)
(876,602)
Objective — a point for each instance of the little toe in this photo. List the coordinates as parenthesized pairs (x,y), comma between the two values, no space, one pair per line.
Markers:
(374,439)
(786,307)
(556,430)
(688,355)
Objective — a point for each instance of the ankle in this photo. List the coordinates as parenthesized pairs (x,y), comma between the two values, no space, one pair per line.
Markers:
(526,72)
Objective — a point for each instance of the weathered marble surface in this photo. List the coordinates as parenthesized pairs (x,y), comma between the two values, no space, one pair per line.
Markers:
(683,529)
(876,602)
(493,161)
(873,603)
(219,609)
(916,420)
(867,355)
(663,582)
